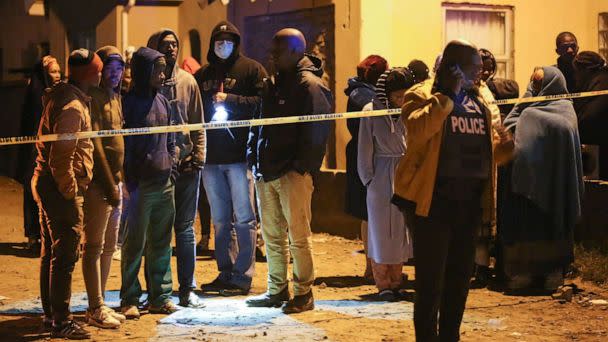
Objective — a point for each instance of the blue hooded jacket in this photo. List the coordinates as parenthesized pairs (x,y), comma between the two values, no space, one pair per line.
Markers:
(152,157)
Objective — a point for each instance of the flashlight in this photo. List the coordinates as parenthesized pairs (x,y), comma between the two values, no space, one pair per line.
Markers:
(220,113)
(220,110)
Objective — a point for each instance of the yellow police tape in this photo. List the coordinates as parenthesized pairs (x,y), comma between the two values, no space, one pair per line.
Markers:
(259,122)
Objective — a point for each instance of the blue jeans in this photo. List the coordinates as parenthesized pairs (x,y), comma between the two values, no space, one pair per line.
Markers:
(187,187)
(229,189)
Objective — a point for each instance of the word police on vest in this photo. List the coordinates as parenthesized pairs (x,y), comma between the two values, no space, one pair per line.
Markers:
(468,125)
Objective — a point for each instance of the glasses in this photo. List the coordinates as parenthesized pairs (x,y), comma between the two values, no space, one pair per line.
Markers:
(169,44)
(564,47)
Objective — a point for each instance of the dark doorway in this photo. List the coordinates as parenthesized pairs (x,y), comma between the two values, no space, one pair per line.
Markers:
(195,44)
(317,24)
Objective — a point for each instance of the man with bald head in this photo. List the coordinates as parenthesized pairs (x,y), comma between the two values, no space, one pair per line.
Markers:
(283,159)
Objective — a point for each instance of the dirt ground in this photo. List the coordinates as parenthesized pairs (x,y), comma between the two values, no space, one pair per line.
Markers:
(345,310)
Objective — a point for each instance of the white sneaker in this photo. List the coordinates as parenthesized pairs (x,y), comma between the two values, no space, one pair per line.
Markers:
(102,319)
(116,256)
(118,316)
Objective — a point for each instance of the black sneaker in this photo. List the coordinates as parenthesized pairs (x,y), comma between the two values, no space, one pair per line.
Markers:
(387,295)
(260,255)
(215,286)
(190,300)
(70,330)
(267,300)
(482,277)
(233,290)
(299,304)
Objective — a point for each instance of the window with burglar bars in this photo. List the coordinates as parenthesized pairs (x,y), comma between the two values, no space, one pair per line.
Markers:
(488,27)
(603,34)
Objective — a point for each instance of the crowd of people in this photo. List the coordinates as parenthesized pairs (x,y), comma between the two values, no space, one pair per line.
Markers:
(449,183)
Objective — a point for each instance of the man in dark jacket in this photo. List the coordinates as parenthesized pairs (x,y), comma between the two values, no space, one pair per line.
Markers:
(566,46)
(149,174)
(283,158)
(592,74)
(183,94)
(62,175)
(231,86)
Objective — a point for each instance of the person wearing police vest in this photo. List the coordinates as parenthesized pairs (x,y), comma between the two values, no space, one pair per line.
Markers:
(445,186)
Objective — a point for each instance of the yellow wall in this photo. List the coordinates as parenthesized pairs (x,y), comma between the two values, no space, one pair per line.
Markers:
(401,30)
(145,21)
(108,30)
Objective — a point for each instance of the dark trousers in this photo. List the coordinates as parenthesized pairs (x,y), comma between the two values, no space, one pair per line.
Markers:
(444,250)
(204,211)
(186,201)
(61,223)
(31,217)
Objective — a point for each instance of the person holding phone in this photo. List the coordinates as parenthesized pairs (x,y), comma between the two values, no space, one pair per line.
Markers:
(445,186)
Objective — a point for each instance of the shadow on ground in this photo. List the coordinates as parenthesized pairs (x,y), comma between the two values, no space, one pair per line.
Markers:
(17,249)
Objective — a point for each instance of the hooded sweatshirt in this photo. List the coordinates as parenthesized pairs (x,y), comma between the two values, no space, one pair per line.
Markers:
(359,93)
(277,149)
(183,94)
(70,162)
(243,81)
(106,113)
(149,157)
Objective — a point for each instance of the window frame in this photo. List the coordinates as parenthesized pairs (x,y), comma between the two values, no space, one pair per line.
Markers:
(508,11)
(602,30)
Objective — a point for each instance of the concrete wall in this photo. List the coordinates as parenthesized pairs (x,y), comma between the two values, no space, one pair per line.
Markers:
(592,229)
(402,30)
(191,16)
(59,41)
(108,30)
(143,21)
(19,36)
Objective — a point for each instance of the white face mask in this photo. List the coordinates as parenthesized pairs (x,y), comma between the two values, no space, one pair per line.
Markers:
(223,48)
